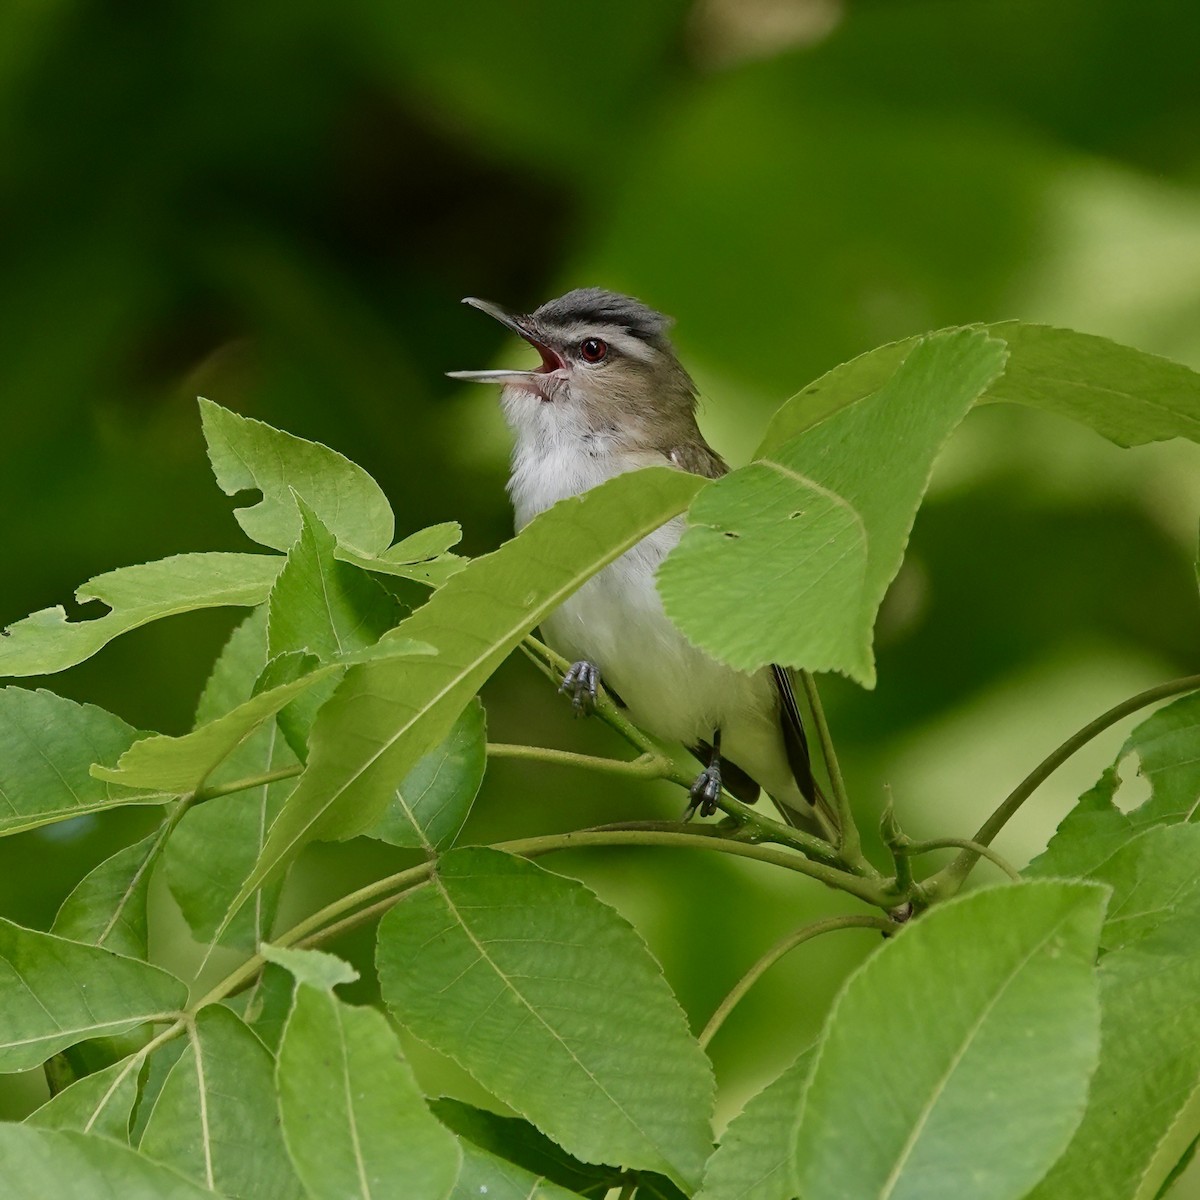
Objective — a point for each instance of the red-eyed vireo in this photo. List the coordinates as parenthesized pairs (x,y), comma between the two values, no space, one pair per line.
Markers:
(611,396)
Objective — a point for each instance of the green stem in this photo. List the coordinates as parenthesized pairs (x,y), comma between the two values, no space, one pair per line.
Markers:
(135,1064)
(953,876)
(757,827)
(244,785)
(796,938)
(896,841)
(645,766)
(850,844)
(950,843)
(387,892)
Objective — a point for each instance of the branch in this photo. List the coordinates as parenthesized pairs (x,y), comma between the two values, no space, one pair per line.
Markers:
(978,848)
(645,766)
(384,893)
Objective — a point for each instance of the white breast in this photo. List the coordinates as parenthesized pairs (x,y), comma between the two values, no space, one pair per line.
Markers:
(616,620)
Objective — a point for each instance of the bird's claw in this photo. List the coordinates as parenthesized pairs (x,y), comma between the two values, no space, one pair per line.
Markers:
(582,684)
(706,791)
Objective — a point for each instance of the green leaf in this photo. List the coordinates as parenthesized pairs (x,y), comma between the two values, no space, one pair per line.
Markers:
(101,1103)
(1154,880)
(47,747)
(1141,1111)
(216,1119)
(425,544)
(248,454)
(268,1003)
(432,572)
(354,1120)
(1127,395)
(385,716)
(180,765)
(108,906)
(323,607)
(846,384)
(434,800)
(55,993)
(956,1060)
(216,845)
(1168,748)
(787,560)
(315,968)
(212,852)
(39,1163)
(496,963)
(47,641)
(753,1161)
(421,556)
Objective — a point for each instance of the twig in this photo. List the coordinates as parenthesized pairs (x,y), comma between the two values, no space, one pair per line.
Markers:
(796,938)
(951,877)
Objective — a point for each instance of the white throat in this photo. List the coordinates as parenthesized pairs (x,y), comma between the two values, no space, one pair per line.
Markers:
(556,453)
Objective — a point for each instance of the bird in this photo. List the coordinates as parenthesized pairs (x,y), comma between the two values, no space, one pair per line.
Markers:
(610,396)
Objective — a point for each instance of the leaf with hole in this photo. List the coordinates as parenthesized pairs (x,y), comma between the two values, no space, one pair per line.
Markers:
(1096,828)
(248,454)
(787,560)
(1142,1112)
(47,641)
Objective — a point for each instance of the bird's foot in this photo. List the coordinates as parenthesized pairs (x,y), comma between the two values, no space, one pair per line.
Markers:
(706,791)
(582,684)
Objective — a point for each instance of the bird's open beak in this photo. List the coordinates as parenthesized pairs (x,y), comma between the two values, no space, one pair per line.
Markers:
(532,380)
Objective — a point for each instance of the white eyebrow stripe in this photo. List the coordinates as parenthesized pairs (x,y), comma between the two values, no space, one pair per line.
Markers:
(616,336)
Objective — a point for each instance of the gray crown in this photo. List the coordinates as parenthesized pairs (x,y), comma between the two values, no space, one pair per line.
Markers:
(606,308)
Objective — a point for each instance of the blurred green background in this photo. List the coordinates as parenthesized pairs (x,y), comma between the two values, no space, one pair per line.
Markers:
(279,206)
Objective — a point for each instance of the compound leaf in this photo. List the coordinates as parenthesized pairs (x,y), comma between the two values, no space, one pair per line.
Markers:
(385,716)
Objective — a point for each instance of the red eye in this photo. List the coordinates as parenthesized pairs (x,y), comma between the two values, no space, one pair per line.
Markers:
(592,350)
